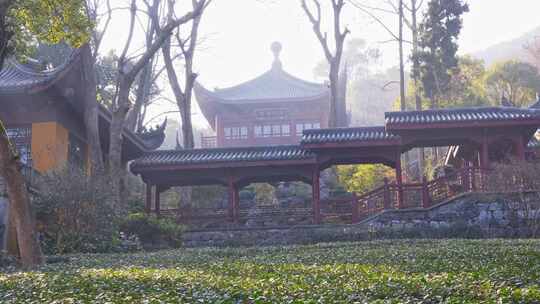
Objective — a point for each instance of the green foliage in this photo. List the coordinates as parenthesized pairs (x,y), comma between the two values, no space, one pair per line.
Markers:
(51,21)
(438,47)
(467,87)
(393,271)
(363,178)
(207,196)
(152,230)
(265,194)
(517,81)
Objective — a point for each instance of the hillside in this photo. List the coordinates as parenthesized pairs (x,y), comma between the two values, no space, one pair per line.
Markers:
(512,49)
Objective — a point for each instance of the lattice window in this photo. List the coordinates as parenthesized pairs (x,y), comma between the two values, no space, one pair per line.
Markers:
(300,127)
(21,137)
(274,130)
(236,133)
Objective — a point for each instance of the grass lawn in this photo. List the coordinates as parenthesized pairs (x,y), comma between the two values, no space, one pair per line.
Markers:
(424,271)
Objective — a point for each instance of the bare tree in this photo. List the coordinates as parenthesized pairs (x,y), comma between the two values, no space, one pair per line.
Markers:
(401,58)
(187,48)
(142,95)
(91,107)
(533,49)
(334,59)
(413,26)
(394,10)
(127,73)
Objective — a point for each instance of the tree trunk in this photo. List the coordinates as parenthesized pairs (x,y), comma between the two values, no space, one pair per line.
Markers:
(416,78)
(5,35)
(145,80)
(143,93)
(402,97)
(91,111)
(19,204)
(12,247)
(401,60)
(115,165)
(187,128)
(334,94)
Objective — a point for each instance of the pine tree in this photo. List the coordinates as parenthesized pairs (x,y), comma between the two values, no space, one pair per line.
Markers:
(438,46)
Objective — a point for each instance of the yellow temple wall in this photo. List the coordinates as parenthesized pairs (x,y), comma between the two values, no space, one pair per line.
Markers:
(49,146)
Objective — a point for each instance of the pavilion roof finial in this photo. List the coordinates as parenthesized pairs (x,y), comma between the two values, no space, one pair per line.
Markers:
(276,49)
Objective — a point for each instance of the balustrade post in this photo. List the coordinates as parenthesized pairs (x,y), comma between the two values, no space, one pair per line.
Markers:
(354,205)
(233,201)
(465,177)
(484,163)
(399,183)
(425,193)
(520,148)
(386,195)
(148,205)
(473,173)
(316,196)
(157,201)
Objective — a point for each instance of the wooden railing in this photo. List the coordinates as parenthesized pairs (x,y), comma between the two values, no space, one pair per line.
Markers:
(357,207)
(417,195)
(188,215)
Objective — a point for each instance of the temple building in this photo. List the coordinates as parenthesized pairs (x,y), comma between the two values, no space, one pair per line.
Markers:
(43,114)
(271,109)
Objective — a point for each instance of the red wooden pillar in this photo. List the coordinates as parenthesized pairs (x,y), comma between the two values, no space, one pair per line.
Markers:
(148,205)
(473,176)
(425,193)
(354,205)
(520,148)
(399,182)
(468,175)
(484,154)
(386,196)
(484,162)
(157,201)
(236,204)
(233,202)
(316,194)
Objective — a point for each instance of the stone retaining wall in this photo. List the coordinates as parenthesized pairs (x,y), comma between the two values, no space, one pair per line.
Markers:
(469,215)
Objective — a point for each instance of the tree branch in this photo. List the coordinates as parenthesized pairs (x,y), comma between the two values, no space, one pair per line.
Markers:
(316,23)
(374,17)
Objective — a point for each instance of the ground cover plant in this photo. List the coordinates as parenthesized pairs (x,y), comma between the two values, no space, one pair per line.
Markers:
(391,271)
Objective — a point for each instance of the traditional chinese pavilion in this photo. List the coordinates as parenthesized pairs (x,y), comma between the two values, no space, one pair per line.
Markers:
(43,114)
(481,136)
(272,109)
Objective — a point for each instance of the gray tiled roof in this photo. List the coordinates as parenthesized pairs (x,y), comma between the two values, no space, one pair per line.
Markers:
(534,143)
(460,115)
(222,155)
(535,105)
(342,135)
(16,77)
(275,84)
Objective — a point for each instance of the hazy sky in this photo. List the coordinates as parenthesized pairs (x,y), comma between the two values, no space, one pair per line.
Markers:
(238,33)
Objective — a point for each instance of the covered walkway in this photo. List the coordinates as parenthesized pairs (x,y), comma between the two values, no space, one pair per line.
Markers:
(479,136)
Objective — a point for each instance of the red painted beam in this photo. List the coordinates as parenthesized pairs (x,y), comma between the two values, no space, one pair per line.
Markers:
(316,194)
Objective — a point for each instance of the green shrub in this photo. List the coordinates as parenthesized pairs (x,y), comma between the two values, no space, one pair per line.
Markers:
(152,230)
(247,195)
(76,213)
